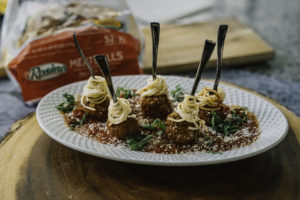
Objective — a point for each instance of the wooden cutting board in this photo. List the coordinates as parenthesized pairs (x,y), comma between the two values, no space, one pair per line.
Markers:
(180,47)
(33,166)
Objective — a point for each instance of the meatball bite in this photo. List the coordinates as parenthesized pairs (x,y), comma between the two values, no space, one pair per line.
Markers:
(121,122)
(95,98)
(100,111)
(155,102)
(156,106)
(120,131)
(179,132)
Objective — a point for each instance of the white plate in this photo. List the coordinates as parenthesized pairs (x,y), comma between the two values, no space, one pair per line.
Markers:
(273,126)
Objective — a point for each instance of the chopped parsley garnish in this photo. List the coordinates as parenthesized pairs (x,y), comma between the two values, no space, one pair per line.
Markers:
(228,125)
(178,94)
(68,105)
(79,123)
(137,142)
(125,93)
(160,132)
(208,140)
(156,124)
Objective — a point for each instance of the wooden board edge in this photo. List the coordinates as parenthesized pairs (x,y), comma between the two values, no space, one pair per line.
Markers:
(229,62)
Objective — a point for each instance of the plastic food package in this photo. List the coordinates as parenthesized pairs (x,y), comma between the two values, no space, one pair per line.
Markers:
(38,47)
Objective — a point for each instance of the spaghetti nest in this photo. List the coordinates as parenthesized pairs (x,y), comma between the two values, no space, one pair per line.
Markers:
(119,112)
(210,99)
(155,87)
(188,110)
(95,92)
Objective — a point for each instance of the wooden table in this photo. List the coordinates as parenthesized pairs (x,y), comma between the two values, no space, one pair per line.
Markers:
(33,166)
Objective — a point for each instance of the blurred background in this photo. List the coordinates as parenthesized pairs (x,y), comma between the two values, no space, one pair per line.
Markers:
(261,51)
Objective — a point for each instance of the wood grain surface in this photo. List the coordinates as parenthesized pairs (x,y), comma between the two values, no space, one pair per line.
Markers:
(180,47)
(33,166)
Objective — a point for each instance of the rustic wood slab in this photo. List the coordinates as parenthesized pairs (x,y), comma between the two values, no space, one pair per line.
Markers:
(180,47)
(33,166)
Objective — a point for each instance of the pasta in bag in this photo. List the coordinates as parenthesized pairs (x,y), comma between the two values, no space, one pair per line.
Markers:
(39,50)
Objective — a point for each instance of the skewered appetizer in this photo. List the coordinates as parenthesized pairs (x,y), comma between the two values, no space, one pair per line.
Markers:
(93,104)
(184,123)
(121,122)
(95,99)
(223,119)
(155,94)
(211,100)
(155,102)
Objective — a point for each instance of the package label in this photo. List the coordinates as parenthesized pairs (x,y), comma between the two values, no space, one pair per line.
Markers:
(52,61)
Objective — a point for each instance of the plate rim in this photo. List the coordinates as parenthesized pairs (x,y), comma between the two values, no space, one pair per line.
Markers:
(160,163)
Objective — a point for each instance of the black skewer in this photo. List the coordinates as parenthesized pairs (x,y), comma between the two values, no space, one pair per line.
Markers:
(207,51)
(82,55)
(221,40)
(104,67)
(155,29)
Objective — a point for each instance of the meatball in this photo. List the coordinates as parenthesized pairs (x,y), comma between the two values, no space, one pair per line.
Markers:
(101,109)
(130,126)
(156,106)
(206,115)
(178,132)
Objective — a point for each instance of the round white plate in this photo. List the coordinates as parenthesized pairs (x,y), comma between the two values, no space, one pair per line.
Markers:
(273,126)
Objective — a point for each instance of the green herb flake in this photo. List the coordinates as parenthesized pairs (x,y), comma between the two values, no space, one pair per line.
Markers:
(68,105)
(137,142)
(147,126)
(178,94)
(80,122)
(208,140)
(156,124)
(228,125)
(160,132)
(125,93)
(84,118)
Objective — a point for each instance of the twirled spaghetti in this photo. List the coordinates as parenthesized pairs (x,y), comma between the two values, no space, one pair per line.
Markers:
(210,99)
(154,87)
(188,110)
(95,92)
(119,112)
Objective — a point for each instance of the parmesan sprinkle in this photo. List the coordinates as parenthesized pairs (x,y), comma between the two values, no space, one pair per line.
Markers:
(95,92)
(154,87)
(209,99)
(119,112)
(208,140)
